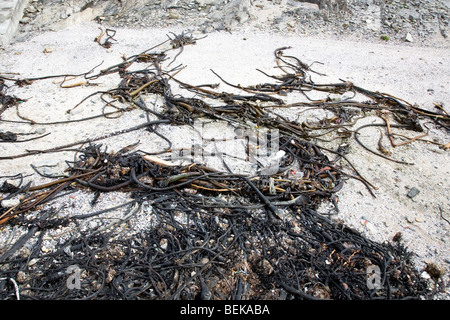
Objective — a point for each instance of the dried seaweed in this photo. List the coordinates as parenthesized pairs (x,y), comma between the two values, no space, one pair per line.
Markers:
(216,234)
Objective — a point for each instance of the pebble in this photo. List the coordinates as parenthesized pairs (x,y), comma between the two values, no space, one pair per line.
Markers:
(410,220)
(413,192)
(32,262)
(408,37)
(164,243)
(10,202)
(22,277)
(31,9)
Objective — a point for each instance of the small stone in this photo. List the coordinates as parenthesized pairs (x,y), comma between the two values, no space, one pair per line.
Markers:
(173,14)
(410,220)
(32,262)
(413,192)
(40,131)
(45,249)
(22,277)
(163,244)
(48,50)
(47,171)
(110,275)
(10,203)
(409,38)
(25,20)
(31,9)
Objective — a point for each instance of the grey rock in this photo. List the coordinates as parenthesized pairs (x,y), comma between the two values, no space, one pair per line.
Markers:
(413,192)
(234,13)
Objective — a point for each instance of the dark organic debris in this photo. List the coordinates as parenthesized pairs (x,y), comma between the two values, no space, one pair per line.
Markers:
(6,101)
(8,136)
(109,36)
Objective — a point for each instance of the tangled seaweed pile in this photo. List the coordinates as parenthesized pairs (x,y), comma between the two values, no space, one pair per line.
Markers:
(213,234)
(197,236)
